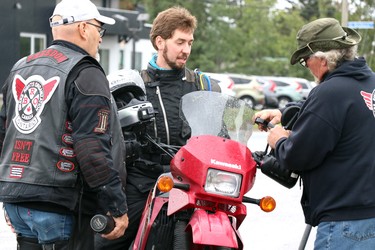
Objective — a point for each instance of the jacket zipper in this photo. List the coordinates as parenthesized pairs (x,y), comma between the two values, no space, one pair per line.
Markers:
(164,114)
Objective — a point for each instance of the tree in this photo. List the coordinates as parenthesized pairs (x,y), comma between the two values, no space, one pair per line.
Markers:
(365,11)
(252,37)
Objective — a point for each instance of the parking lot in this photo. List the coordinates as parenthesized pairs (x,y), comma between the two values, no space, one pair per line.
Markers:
(263,91)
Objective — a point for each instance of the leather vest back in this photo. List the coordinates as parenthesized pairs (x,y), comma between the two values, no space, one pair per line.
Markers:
(38,143)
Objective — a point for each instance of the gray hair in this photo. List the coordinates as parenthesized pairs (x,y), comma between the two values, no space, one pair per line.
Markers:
(336,56)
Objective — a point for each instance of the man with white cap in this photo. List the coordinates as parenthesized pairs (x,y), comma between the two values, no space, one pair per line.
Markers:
(62,148)
(331,144)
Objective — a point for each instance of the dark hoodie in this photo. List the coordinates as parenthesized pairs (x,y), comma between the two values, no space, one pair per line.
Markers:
(332,146)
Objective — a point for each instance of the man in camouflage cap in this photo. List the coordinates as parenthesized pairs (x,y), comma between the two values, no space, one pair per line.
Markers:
(331,144)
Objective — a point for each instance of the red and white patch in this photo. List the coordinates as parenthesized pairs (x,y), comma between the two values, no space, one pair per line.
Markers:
(67,152)
(369,99)
(68,126)
(16,172)
(65,166)
(31,95)
(67,139)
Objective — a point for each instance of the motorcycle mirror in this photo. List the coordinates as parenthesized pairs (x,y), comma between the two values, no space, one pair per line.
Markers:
(289,116)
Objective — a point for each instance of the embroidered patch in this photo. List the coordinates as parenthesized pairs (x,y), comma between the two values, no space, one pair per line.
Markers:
(68,126)
(31,95)
(67,152)
(65,166)
(22,151)
(67,139)
(16,172)
(369,99)
(53,54)
(102,126)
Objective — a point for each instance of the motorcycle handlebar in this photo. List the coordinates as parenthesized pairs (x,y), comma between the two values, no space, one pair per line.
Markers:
(264,123)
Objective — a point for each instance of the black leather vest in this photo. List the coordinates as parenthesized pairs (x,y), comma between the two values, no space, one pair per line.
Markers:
(38,144)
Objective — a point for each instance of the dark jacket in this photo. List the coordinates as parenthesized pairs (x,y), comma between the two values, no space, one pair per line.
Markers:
(331,146)
(164,89)
(69,125)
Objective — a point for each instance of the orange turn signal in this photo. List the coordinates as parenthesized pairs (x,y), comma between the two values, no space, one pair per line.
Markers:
(165,183)
(267,204)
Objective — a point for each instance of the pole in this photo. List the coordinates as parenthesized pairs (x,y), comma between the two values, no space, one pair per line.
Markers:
(305,237)
(133,51)
(344,13)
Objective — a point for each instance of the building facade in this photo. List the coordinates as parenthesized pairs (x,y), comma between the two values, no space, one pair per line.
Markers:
(25,30)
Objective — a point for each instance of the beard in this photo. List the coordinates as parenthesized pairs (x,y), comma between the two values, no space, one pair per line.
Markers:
(173,64)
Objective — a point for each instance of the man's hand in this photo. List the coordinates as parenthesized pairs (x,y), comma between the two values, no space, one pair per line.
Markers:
(271,115)
(276,134)
(121,224)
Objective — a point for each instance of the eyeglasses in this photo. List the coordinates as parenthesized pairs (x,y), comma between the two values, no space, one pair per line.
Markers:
(303,61)
(101,29)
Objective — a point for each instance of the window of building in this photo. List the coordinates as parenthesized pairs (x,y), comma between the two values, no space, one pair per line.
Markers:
(107,3)
(31,43)
(138,61)
(104,59)
(121,63)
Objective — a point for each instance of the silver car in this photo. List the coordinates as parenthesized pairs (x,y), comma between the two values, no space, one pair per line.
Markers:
(286,90)
(306,85)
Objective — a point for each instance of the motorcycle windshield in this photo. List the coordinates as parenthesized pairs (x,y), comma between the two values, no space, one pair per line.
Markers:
(213,113)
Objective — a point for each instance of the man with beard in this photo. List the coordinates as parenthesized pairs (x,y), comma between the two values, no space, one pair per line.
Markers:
(331,143)
(166,80)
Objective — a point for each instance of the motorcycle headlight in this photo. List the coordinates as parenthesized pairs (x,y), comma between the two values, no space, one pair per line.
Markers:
(223,183)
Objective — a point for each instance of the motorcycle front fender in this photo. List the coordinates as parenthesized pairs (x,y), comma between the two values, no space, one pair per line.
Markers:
(212,229)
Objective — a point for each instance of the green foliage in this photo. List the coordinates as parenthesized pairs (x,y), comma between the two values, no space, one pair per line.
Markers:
(365,11)
(252,37)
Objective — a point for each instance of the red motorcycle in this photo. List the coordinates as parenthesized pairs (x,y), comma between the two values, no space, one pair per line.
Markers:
(200,203)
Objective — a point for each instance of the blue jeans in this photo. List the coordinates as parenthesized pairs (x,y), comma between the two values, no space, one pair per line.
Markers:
(47,227)
(350,235)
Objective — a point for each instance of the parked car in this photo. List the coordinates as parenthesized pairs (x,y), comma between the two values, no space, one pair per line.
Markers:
(285,90)
(306,85)
(248,89)
(225,82)
(268,88)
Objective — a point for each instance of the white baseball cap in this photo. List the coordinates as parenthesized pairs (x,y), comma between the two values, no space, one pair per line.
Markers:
(73,11)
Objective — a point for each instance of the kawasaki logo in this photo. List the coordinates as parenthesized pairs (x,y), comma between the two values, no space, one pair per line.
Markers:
(225,164)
